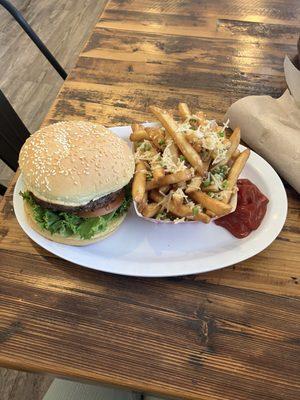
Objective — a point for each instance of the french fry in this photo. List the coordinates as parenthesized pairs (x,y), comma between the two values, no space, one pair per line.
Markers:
(194,184)
(156,136)
(185,147)
(158,173)
(143,203)
(233,158)
(156,196)
(200,216)
(210,213)
(235,141)
(193,139)
(179,185)
(182,210)
(135,127)
(206,165)
(174,151)
(235,154)
(236,169)
(164,189)
(200,114)
(151,209)
(211,188)
(139,136)
(216,206)
(138,133)
(177,200)
(170,179)
(184,111)
(157,170)
(139,182)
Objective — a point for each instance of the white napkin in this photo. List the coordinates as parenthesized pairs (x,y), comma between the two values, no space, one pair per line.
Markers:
(272,126)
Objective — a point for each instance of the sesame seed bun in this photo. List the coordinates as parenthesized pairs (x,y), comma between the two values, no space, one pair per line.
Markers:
(74,162)
(73,240)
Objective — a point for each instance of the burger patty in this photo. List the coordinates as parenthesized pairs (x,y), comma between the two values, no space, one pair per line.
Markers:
(90,206)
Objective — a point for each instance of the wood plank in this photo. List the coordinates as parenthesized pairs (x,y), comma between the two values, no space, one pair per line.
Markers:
(151,332)
(157,48)
(260,10)
(201,25)
(17,385)
(277,33)
(124,73)
(120,105)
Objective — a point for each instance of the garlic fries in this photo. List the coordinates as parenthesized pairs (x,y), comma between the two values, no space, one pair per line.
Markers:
(185,170)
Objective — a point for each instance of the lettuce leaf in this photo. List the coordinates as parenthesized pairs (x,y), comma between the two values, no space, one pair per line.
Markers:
(68,224)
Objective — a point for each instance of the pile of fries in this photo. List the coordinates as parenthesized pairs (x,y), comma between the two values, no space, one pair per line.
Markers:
(185,170)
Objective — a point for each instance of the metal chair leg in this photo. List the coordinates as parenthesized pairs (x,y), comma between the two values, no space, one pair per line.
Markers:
(33,36)
(2,190)
(13,133)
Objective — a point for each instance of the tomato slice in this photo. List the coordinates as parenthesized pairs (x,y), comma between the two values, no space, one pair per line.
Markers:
(103,210)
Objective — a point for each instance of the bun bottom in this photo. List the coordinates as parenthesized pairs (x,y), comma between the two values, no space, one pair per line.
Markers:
(72,240)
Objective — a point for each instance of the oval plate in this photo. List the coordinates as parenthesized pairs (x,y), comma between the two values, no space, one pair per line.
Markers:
(140,248)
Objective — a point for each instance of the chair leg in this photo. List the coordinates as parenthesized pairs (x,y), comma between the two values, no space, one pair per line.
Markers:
(13,133)
(2,190)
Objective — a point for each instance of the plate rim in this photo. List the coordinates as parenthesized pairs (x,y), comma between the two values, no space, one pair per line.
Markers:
(190,266)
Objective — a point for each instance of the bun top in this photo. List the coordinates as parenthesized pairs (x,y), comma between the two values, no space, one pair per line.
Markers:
(74,162)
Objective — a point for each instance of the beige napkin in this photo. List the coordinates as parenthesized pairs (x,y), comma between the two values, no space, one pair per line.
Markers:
(272,126)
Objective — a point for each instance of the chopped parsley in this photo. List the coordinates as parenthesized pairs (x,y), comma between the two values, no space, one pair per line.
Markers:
(195,210)
(207,182)
(149,176)
(224,184)
(146,147)
(193,123)
(222,170)
(161,215)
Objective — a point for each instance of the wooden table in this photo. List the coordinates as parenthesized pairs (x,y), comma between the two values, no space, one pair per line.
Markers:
(229,334)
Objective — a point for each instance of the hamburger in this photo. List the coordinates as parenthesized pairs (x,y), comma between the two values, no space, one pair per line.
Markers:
(76,177)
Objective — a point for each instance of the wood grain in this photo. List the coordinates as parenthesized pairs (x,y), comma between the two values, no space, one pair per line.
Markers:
(228,334)
(17,385)
(146,330)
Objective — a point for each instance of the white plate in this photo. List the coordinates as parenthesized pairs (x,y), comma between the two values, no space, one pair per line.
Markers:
(140,248)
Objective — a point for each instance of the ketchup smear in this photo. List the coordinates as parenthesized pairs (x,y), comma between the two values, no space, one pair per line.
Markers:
(250,211)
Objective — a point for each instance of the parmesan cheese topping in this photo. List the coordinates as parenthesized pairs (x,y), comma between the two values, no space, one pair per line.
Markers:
(212,146)
(211,135)
(168,162)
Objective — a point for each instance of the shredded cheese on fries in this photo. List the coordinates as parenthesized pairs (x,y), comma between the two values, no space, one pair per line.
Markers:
(169,165)
(212,135)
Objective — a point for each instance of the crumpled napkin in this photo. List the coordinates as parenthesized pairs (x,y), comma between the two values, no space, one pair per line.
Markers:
(271,127)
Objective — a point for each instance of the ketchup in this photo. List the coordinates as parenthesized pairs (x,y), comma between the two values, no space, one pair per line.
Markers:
(250,211)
